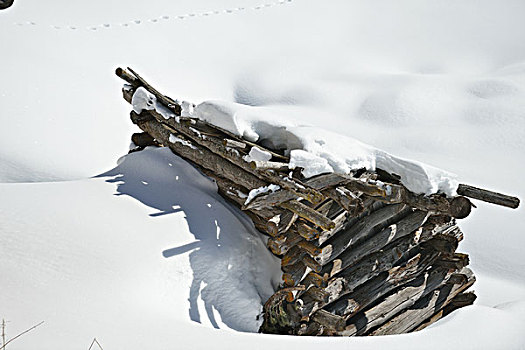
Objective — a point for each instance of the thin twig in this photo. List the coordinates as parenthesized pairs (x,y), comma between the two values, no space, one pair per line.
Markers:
(19,335)
(93,343)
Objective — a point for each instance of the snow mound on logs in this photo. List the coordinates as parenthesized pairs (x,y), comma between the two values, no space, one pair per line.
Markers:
(321,150)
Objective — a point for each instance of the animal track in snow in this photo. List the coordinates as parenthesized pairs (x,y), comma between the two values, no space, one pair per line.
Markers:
(160,19)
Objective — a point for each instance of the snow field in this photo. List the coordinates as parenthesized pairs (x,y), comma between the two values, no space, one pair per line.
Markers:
(133,258)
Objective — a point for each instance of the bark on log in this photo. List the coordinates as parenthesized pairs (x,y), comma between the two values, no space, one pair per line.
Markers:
(488,196)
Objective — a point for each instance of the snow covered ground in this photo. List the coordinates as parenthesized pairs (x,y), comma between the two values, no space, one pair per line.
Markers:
(144,254)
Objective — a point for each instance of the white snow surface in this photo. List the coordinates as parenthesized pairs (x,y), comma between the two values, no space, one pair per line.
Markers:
(147,255)
(257,154)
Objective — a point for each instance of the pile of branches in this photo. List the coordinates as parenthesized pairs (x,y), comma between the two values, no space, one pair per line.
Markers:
(360,253)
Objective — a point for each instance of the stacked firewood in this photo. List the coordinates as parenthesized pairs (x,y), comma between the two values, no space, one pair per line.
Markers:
(360,253)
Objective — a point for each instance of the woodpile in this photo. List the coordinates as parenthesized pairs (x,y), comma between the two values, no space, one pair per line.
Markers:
(360,253)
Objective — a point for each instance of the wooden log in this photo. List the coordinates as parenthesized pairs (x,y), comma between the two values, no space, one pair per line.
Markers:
(234,144)
(270,200)
(346,199)
(382,284)
(281,222)
(316,294)
(309,214)
(392,193)
(142,139)
(343,219)
(395,303)
(201,156)
(295,274)
(309,247)
(314,279)
(128,77)
(268,165)
(356,252)
(324,181)
(329,320)
(364,228)
(306,231)
(488,196)
(372,265)
(292,256)
(165,100)
(279,245)
(425,307)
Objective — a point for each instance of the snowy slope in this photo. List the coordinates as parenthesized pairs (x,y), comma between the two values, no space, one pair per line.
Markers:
(141,254)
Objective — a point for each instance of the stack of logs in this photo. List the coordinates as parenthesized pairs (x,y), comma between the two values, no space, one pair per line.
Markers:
(360,253)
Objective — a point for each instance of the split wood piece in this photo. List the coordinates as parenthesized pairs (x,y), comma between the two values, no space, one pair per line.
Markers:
(382,284)
(372,265)
(355,252)
(309,214)
(395,303)
(281,222)
(488,196)
(426,306)
(234,144)
(200,155)
(295,273)
(279,245)
(270,200)
(316,294)
(292,256)
(367,226)
(314,279)
(346,199)
(343,219)
(306,231)
(459,301)
(329,320)
(268,165)
(324,181)
(136,81)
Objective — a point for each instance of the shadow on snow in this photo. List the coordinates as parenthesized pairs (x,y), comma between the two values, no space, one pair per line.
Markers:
(228,254)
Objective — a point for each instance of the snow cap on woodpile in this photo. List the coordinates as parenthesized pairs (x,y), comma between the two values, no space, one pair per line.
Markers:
(320,151)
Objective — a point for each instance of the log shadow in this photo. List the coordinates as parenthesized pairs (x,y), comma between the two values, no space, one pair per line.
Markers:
(227,253)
